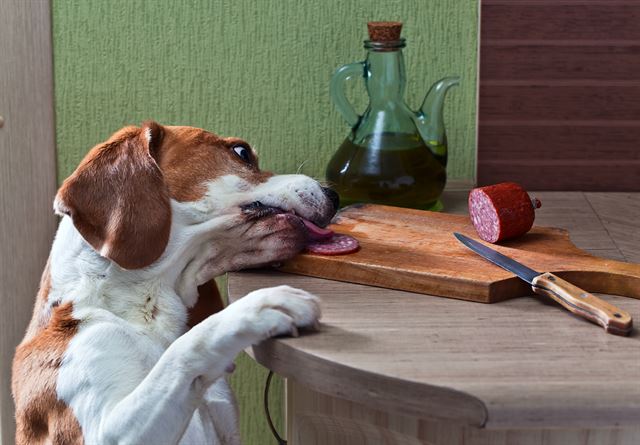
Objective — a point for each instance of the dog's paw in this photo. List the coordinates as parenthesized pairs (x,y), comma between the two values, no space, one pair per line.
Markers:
(276,311)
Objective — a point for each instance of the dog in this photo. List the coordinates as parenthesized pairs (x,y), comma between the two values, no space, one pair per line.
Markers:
(147,217)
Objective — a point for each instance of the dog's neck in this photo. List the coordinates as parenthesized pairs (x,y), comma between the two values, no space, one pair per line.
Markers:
(156,297)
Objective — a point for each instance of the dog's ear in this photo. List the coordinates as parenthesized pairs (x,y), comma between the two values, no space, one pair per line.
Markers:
(118,200)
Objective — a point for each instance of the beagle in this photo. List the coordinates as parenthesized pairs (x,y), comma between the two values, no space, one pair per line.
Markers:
(147,217)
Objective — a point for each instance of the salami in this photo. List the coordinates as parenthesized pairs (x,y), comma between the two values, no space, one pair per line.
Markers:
(501,211)
(338,244)
(326,242)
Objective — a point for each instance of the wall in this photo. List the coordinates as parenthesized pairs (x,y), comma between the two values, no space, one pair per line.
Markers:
(27,177)
(559,92)
(259,70)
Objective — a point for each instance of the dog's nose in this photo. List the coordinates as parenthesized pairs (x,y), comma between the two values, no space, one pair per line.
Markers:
(333,197)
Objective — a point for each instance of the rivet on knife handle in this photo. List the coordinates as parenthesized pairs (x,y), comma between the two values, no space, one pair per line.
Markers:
(582,303)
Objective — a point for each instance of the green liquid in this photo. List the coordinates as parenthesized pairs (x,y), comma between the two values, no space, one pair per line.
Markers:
(392,169)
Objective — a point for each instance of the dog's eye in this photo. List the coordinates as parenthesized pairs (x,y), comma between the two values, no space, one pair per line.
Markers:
(243,152)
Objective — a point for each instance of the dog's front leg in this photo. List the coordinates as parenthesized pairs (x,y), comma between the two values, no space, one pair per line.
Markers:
(223,411)
(159,409)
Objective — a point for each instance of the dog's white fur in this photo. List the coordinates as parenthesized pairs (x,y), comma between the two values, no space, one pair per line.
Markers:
(131,374)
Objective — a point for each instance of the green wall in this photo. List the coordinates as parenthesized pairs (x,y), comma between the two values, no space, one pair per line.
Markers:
(255,69)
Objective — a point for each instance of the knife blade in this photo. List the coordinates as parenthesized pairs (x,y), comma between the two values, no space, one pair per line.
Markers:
(571,297)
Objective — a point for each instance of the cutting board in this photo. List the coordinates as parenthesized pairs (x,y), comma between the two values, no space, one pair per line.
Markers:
(416,251)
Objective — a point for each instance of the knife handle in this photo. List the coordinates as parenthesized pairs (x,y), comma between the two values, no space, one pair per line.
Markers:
(582,303)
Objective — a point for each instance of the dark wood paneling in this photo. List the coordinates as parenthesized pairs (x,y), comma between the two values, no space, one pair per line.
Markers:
(560,94)
(607,62)
(526,102)
(557,19)
(618,175)
(562,142)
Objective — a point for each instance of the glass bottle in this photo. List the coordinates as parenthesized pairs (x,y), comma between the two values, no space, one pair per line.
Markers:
(393,155)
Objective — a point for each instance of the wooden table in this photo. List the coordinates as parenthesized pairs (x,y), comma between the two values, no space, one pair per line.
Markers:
(395,367)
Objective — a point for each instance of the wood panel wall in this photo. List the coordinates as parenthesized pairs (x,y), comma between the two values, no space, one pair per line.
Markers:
(559,97)
(27,176)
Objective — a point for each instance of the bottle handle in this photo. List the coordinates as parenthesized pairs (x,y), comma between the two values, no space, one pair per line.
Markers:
(341,75)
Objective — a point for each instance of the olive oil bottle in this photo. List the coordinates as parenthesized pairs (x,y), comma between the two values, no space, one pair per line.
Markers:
(391,168)
(393,155)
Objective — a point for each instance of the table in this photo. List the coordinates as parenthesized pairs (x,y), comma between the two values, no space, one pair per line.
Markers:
(392,367)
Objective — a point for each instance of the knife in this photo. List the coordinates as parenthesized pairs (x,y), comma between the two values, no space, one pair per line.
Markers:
(572,298)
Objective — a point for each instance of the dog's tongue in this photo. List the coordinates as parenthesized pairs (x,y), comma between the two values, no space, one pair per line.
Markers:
(326,242)
(316,233)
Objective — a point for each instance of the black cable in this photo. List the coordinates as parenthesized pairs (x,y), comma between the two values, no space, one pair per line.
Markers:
(280,440)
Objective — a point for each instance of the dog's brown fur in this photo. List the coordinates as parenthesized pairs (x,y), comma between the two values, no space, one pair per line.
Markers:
(187,162)
(40,417)
(118,200)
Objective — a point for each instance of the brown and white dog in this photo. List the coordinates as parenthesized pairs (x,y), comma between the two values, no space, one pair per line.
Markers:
(147,217)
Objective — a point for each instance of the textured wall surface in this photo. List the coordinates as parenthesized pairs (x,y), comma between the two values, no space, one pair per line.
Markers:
(259,70)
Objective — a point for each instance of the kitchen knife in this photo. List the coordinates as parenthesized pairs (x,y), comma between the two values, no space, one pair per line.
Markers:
(572,298)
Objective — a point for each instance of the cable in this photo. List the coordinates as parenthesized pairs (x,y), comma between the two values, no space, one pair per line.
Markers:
(280,440)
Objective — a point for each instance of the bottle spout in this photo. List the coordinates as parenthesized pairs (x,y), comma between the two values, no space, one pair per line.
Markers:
(429,118)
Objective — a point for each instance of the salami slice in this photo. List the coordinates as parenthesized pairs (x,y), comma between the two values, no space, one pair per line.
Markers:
(338,244)
(501,211)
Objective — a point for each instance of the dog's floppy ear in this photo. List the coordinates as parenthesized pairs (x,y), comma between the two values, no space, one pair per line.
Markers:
(118,200)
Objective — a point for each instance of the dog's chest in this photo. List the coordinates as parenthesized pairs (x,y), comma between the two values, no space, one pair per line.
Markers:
(153,311)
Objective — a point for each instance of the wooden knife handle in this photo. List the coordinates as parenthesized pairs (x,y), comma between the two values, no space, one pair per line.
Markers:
(582,303)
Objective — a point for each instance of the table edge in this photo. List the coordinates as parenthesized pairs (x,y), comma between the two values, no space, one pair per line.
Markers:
(357,385)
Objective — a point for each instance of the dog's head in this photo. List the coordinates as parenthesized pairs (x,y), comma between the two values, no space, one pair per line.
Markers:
(136,190)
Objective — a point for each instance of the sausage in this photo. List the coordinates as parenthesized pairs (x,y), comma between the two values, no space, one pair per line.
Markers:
(338,244)
(501,211)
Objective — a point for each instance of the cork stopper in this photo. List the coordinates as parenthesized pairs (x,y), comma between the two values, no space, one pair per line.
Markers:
(384,31)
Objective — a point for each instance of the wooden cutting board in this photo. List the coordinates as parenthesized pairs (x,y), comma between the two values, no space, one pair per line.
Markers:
(416,251)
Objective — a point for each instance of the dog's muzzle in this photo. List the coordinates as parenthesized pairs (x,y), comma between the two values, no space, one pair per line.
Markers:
(258,210)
